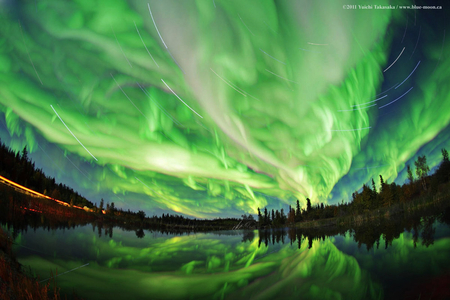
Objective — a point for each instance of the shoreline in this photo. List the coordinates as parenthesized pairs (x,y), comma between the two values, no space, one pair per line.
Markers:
(15,283)
(420,205)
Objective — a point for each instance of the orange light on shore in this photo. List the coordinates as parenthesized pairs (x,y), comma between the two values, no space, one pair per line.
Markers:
(34,192)
(30,209)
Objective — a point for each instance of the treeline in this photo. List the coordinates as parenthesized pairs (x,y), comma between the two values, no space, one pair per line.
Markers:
(422,185)
(372,235)
(17,167)
(369,198)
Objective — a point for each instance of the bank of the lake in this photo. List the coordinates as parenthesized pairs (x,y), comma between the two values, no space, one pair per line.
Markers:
(420,206)
(288,263)
(15,283)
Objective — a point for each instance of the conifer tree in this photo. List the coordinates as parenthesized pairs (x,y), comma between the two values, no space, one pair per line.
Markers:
(444,155)
(266,216)
(410,174)
(422,169)
(259,216)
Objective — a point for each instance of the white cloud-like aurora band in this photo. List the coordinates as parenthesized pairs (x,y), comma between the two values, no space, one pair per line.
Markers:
(227,107)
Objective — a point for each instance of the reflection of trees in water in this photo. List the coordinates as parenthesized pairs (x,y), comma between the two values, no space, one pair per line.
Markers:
(368,234)
(140,233)
(248,236)
(428,231)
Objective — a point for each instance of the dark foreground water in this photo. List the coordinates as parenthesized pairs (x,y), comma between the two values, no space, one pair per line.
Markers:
(241,265)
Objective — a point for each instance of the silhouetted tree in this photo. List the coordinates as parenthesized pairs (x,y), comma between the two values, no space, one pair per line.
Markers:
(25,154)
(366,197)
(140,233)
(422,169)
(374,188)
(291,216)
(141,215)
(102,203)
(282,217)
(444,155)
(308,205)
(259,216)
(443,172)
(410,174)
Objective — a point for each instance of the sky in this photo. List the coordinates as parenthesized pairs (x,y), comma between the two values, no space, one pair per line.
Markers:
(215,108)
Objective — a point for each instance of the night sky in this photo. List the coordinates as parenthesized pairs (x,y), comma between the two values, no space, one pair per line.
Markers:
(213,108)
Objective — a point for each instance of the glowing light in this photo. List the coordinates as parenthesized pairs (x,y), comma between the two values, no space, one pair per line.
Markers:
(245,25)
(281,77)
(145,45)
(394,60)
(64,272)
(29,57)
(408,75)
(157,104)
(72,133)
(387,90)
(121,50)
(371,101)
(257,131)
(156,27)
(127,96)
(21,187)
(396,99)
(358,108)
(229,84)
(271,56)
(180,98)
(310,50)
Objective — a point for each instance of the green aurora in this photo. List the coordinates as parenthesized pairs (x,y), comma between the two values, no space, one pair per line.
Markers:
(213,108)
(221,266)
(204,266)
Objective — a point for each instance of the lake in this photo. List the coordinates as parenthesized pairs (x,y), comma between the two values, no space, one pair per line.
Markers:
(106,263)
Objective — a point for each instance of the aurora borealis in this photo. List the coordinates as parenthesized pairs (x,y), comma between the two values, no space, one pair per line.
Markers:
(214,108)
(204,266)
(222,266)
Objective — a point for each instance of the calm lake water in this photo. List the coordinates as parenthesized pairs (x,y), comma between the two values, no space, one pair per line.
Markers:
(238,265)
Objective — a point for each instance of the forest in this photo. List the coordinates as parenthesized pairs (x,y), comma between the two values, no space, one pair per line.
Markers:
(389,197)
(18,167)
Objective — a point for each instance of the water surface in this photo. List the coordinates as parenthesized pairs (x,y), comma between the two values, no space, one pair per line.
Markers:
(240,265)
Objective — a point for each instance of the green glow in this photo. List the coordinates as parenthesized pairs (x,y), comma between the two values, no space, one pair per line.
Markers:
(202,265)
(260,135)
